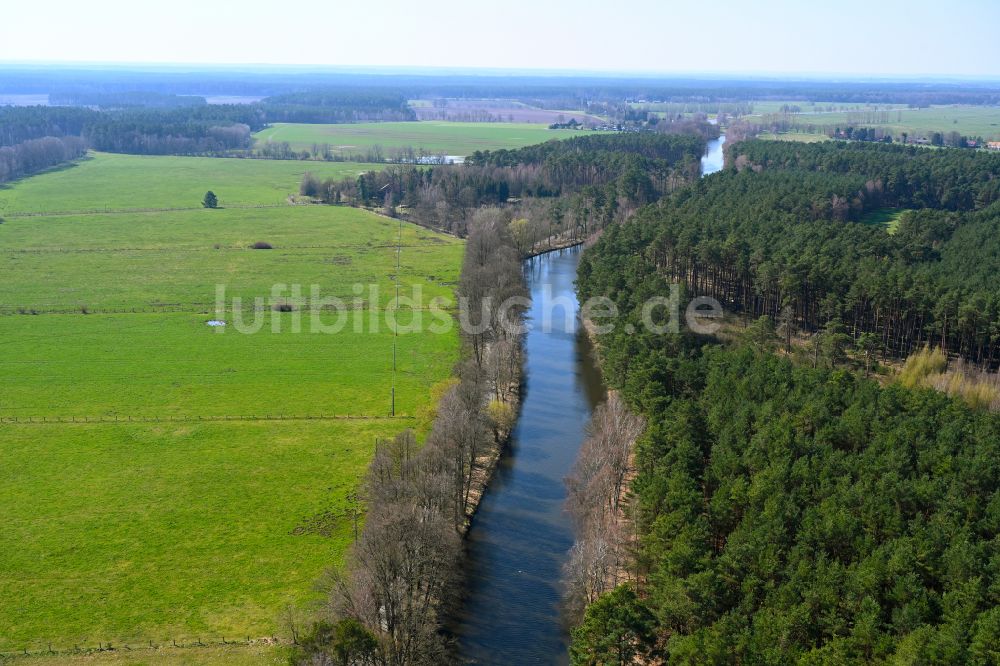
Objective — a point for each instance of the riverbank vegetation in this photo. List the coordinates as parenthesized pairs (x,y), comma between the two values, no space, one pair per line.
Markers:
(404,572)
(799,512)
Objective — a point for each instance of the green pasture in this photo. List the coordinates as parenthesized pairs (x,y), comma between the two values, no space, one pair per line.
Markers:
(129,533)
(177,258)
(107,181)
(801,137)
(968,120)
(191,526)
(434,137)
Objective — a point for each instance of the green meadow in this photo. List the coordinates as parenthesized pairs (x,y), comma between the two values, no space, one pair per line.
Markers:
(209,517)
(106,181)
(801,137)
(176,258)
(983,121)
(435,137)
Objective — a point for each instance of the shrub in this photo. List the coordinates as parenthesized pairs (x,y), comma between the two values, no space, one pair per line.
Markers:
(921,365)
(261,245)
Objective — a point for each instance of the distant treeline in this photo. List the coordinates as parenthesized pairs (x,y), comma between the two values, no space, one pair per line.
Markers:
(337,106)
(125,99)
(20,123)
(549,91)
(203,129)
(149,123)
(589,181)
(214,129)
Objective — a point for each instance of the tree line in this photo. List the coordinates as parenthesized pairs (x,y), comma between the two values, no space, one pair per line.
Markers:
(152,123)
(337,106)
(34,155)
(404,571)
(569,187)
(124,99)
(596,489)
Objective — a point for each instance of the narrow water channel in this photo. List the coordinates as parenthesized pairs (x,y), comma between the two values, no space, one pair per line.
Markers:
(712,161)
(521,534)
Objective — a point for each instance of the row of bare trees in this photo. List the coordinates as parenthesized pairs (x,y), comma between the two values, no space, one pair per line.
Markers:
(35,155)
(386,606)
(597,489)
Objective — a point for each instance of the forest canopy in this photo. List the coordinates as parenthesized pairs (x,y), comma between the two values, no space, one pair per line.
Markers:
(791,514)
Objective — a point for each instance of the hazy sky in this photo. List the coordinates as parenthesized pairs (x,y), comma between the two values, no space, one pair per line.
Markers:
(859,37)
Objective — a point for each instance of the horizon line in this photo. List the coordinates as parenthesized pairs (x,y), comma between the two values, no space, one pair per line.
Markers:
(540,72)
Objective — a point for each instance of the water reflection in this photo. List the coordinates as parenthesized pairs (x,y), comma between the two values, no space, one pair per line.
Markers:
(522,534)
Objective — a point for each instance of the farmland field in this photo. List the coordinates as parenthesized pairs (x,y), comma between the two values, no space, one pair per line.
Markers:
(801,137)
(196,478)
(968,120)
(435,137)
(110,181)
(504,110)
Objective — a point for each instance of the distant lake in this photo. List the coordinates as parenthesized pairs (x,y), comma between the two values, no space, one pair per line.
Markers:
(24,100)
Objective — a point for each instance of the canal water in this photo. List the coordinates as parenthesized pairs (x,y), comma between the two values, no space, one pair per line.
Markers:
(712,160)
(521,534)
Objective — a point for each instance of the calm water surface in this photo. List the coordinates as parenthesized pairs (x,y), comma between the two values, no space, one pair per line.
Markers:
(712,160)
(522,535)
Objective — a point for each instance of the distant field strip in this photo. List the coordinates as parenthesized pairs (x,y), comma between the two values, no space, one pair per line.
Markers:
(147,182)
(435,137)
(983,121)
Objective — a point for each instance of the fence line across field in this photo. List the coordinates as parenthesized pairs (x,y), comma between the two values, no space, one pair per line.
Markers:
(304,304)
(51,648)
(44,420)
(100,250)
(120,211)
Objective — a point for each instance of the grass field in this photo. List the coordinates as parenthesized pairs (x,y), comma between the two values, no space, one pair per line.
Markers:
(194,527)
(968,120)
(106,181)
(801,137)
(448,138)
(172,258)
(889,218)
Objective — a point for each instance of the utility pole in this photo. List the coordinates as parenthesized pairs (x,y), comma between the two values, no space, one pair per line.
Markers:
(395,330)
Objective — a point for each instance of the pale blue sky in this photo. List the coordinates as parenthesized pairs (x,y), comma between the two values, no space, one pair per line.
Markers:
(857,37)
